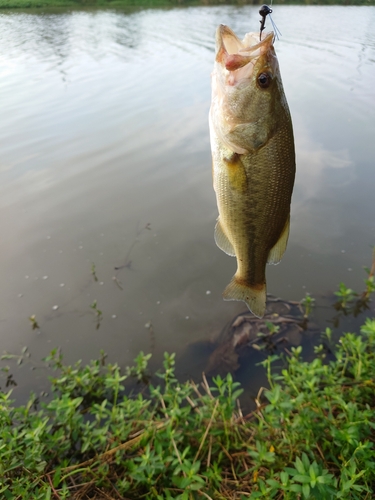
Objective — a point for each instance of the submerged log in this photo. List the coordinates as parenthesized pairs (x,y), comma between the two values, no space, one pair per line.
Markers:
(283,322)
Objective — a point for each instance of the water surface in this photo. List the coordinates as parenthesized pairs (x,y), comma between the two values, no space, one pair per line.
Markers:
(105,162)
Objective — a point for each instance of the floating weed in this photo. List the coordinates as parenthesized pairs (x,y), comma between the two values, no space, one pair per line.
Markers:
(272,328)
(34,323)
(19,358)
(10,382)
(351,302)
(346,296)
(307,304)
(93,272)
(369,281)
(98,313)
(370,284)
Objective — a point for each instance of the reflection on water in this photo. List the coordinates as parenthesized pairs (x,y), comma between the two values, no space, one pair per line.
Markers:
(104,132)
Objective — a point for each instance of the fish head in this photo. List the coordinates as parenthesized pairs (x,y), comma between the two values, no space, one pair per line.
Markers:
(247,92)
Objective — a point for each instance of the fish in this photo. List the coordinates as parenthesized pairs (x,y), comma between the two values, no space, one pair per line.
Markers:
(253,160)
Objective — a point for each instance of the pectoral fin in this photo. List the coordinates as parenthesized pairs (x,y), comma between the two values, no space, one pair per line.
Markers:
(278,250)
(222,240)
(236,173)
(253,296)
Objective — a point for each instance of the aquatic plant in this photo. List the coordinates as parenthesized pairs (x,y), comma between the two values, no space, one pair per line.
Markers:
(311,435)
(98,313)
(93,272)
(307,304)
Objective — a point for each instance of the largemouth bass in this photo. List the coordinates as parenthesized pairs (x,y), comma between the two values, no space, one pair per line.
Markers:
(253,160)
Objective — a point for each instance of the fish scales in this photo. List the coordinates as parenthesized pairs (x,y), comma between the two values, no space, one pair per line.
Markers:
(254,219)
(253,161)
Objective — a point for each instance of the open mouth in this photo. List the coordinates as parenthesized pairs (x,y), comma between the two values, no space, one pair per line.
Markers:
(235,54)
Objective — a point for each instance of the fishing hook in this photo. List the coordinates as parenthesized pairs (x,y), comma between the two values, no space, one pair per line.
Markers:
(263,11)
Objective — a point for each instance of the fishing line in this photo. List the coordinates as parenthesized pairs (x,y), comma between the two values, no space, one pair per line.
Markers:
(275,28)
(265,11)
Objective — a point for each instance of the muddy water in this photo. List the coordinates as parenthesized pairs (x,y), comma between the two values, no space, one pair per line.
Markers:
(105,163)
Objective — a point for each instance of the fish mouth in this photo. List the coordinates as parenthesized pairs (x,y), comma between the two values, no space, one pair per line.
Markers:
(240,56)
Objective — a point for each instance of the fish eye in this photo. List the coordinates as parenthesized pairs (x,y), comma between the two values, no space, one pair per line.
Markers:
(264,80)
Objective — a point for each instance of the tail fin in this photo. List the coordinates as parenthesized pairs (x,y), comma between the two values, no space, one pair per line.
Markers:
(255,297)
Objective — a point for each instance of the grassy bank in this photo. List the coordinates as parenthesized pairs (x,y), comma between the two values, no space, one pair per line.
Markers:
(312,435)
(25,4)
(121,434)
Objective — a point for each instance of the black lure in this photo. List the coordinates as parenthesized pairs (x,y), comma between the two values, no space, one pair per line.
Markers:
(263,11)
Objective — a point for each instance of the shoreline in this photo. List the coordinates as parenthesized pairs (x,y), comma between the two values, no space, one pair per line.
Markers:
(41,4)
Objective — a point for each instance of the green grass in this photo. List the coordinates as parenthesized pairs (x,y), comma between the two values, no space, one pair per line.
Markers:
(311,437)
(121,434)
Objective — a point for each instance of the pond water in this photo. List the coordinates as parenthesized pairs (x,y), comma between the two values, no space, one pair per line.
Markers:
(105,162)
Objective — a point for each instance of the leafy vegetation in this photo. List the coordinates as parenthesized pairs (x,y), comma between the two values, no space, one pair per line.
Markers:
(311,436)
(121,434)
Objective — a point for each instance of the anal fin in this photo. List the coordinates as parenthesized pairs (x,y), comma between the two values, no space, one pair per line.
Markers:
(222,240)
(278,250)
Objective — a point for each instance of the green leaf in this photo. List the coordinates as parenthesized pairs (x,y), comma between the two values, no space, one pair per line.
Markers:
(254,494)
(301,478)
(196,486)
(306,490)
(297,488)
(56,477)
(8,495)
(284,476)
(273,483)
(305,461)
(299,465)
